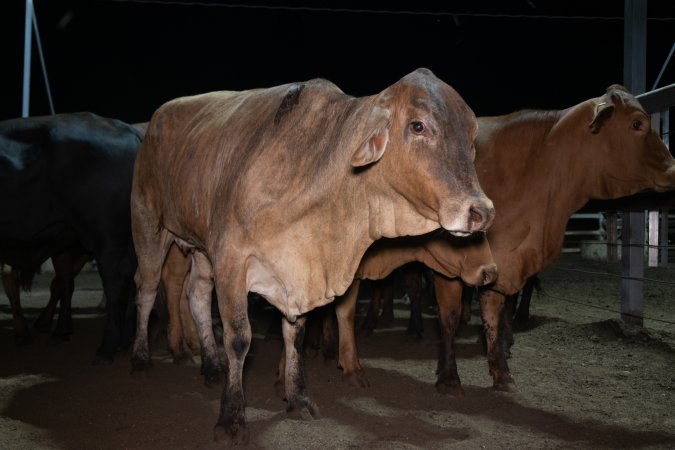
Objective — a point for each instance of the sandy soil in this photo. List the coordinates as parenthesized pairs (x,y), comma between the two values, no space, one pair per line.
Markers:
(583,382)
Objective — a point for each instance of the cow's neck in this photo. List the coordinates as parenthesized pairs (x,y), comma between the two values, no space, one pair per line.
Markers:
(536,199)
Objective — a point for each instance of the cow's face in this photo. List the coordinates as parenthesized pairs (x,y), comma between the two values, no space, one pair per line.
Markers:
(469,258)
(430,153)
(634,157)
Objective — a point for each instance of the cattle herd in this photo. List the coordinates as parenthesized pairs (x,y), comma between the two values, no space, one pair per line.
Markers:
(297,193)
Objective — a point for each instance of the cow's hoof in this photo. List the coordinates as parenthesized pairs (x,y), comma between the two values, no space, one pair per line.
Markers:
(357,379)
(305,412)
(454,390)
(235,434)
(507,385)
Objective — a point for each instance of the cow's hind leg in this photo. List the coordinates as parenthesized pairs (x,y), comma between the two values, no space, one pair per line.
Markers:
(151,249)
(449,297)
(116,266)
(174,280)
(73,262)
(199,289)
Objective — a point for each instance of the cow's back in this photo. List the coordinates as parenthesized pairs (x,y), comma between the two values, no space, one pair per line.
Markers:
(231,147)
(65,172)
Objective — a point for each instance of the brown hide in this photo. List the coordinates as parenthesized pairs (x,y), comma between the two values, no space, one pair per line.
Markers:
(540,167)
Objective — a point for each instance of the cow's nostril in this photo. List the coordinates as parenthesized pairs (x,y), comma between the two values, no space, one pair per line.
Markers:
(477,215)
(489,275)
(480,218)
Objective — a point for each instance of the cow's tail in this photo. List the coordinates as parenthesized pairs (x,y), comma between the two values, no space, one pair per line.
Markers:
(25,278)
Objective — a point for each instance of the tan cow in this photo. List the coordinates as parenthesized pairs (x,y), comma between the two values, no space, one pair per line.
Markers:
(280,191)
(539,167)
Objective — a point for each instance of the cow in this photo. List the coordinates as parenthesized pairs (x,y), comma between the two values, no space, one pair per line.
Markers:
(539,167)
(70,179)
(280,191)
(67,265)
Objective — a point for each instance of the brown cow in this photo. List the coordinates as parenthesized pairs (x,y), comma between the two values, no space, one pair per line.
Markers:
(539,167)
(280,191)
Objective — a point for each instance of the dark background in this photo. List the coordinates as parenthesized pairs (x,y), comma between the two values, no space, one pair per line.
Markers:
(123,59)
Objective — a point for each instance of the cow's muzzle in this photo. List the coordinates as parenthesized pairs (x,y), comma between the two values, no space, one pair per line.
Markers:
(486,274)
(469,217)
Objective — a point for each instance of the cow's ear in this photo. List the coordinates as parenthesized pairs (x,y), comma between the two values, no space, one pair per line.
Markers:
(373,147)
(601,113)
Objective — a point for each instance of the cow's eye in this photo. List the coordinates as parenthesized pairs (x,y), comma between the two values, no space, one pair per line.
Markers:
(637,125)
(417,127)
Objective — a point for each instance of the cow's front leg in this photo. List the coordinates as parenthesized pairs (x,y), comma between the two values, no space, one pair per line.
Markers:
(299,403)
(492,304)
(449,298)
(231,425)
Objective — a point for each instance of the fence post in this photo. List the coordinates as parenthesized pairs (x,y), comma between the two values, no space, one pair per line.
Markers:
(633,224)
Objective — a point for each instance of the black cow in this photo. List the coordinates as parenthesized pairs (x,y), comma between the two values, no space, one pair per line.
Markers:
(66,183)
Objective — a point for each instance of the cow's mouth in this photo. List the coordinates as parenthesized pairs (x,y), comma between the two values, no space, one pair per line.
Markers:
(459,233)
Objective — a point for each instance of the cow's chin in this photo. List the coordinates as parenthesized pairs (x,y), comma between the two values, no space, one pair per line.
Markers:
(459,228)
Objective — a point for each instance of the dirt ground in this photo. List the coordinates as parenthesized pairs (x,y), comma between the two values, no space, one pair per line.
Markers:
(583,382)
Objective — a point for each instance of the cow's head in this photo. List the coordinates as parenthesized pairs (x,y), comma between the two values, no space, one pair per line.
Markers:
(424,134)
(468,258)
(631,155)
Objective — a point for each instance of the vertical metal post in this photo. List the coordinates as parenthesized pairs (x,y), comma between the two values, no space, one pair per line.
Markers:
(653,223)
(633,224)
(27,44)
(612,236)
(663,238)
(653,238)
